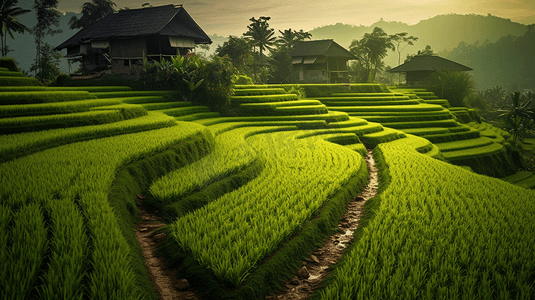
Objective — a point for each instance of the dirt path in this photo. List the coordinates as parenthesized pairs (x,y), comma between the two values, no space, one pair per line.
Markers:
(318,266)
(164,279)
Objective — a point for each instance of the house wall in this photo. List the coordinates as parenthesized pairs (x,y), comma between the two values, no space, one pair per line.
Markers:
(128,48)
(127,55)
(417,78)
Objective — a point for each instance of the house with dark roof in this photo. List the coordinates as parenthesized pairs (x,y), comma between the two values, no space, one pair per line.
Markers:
(420,68)
(119,42)
(321,61)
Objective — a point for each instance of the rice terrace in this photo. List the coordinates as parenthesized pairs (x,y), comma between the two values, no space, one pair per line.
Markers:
(279,167)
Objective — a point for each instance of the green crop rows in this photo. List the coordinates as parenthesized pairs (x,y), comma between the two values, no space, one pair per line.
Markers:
(231,235)
(433,240)
(248,197)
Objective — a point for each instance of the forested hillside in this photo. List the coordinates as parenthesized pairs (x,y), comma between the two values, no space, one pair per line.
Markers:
(443,32)
(508,63)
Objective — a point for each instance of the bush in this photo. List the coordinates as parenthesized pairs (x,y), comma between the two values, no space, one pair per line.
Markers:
(452,85)
(10,63)
(61,80)
(216,90)
(298,90)
(242,80)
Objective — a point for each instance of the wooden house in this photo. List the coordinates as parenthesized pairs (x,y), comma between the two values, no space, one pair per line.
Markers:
(420,68)
(118,43)
(321,61)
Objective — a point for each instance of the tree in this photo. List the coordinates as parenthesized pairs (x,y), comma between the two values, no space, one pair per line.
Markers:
(9,22)
(48,68)
(261,36)
(454,86)
(47,16)
(239,52)
(282,71)
(495,97)
(399,39)
(92,12)
(400,42)
(426,51)
(289,37)
(518,116)
(370,50)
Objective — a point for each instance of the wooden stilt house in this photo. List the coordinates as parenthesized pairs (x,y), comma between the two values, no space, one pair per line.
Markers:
(118,43)
(420,68)
(321,61)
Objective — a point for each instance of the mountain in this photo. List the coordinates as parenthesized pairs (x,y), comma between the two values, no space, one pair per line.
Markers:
(507,63)
(443,33)
(528,20)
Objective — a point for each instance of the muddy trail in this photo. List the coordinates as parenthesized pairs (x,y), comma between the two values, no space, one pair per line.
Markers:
(317,267)
(165,280)
(308,278)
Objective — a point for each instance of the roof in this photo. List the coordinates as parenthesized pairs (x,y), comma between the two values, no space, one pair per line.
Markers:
(167,20)
(429,63)
(327,48)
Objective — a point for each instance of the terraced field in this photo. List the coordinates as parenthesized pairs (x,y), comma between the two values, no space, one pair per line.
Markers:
(248,198)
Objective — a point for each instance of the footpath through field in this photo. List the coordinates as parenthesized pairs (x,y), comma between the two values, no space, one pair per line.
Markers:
(318,266)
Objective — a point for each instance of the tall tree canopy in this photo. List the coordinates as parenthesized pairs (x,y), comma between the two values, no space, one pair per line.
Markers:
(370,50)
(92,12)
(426,51)
(238,50)
(289,37)
(47,16)
(9,22)
(260,36)
(401,41)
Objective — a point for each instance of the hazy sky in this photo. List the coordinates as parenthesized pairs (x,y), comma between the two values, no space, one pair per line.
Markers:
(226,17)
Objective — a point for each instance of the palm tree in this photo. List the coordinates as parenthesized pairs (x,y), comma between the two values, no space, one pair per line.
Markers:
(10,24)
(260,35)
(289,37)
(518,116)
(92,12)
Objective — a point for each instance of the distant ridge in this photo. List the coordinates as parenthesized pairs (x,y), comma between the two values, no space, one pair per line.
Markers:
(528,20)
(443,32)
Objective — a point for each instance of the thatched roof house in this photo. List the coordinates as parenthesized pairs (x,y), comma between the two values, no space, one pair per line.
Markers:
(121,40)
(320,61)
(420,68)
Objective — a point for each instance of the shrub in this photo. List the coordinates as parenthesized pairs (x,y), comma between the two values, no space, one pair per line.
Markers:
(242,80)
(298,90)
(208,82)
(216,90)
(61,80)
(452,85)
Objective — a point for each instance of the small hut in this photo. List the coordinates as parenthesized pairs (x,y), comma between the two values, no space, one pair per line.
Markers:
(120,41)
(420,68)
(321,61)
